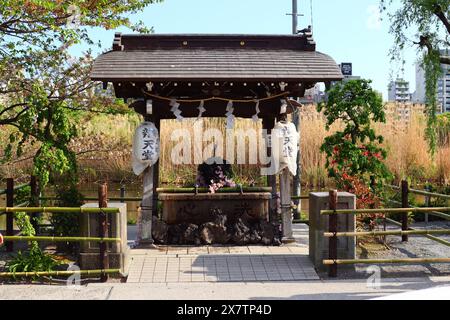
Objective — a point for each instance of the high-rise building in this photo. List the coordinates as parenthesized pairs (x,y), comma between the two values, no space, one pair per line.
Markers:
(443,86)
(398,90)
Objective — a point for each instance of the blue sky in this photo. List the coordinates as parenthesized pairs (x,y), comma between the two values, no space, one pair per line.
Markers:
(344,29)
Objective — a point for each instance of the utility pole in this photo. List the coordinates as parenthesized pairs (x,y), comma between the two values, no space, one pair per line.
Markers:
(297,187)
(295,16)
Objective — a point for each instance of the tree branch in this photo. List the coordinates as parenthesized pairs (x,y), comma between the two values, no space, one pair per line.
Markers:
(441,15)
(425,42)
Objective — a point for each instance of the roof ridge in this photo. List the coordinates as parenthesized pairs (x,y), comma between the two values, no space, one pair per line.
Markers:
(303,41)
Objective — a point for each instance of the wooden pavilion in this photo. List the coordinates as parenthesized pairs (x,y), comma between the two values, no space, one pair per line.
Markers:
(151,71)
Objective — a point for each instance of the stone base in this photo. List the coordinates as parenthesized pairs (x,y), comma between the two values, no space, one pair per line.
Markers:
(319,224)
(288,240)
(90,261)
(145,244)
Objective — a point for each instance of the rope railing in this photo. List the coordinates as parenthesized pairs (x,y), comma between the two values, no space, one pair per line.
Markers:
(137,199)
(60,239)
(182,190)
(429,236)
(433,213)
(333,234)
(386,233)
(60,273)
(102,238)
(300,197)
(421,192)
(383,210)
(59,210)
(329,262)
(19,187)
(431,194)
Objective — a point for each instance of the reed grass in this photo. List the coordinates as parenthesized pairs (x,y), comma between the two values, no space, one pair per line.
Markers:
(104,150)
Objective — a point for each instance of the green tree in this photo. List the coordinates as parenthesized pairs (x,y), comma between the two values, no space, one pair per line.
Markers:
(429,21)
(355,152)
(41,86)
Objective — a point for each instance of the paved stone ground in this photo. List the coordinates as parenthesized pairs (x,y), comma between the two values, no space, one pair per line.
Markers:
(223,263)
(286,290)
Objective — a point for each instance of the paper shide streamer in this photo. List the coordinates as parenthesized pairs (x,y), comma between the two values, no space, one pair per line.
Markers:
(201,110)
(230,117)
(175,110)
(255,117)
(283,108)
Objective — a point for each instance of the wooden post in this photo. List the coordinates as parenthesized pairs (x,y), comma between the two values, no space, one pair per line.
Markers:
(405,204)
(145,222)
(286,210)
(103,230)
(373,183)
(122,194)
(297,185)
(268,125)
(333,227)
(157,123)
(427,203)
(9,215)
(34,202)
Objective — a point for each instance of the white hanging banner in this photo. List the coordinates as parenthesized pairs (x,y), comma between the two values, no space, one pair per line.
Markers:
(285,145)
(145,147)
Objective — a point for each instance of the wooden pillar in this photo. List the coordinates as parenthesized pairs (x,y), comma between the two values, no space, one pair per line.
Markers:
(156,175)
(122,194)
(34,202)
(9,215)
(405,204)
(297,186)
(268,125)
(145,222)
(286,210)
(103,227)
(333,227)
(149,198)
(427,204)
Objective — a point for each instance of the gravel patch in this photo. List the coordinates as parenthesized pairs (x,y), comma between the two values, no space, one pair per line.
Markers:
(416,247)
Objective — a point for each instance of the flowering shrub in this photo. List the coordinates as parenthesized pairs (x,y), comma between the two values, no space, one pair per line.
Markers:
(355,158)
(365,199)
(215,174)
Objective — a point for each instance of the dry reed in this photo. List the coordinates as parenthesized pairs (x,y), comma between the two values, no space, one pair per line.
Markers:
(104,148)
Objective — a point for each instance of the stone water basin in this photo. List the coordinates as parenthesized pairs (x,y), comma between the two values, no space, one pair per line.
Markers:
(196,208)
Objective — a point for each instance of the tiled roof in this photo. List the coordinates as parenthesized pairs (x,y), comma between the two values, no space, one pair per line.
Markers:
(214,57)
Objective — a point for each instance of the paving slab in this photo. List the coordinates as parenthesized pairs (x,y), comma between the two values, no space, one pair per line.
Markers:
(223,263)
